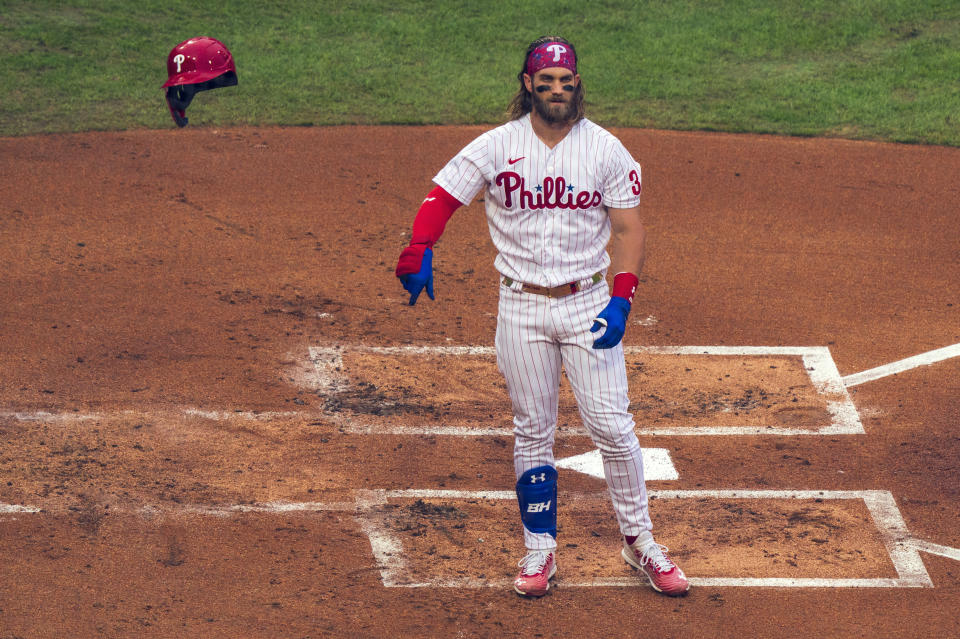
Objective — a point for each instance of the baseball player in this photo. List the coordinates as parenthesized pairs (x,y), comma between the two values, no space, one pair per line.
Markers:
(558,189)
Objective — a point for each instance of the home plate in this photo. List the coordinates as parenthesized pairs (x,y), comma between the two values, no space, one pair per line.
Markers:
(656,464)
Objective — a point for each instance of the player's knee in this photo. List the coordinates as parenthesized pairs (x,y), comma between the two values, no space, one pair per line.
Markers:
(531,443)
(618,444)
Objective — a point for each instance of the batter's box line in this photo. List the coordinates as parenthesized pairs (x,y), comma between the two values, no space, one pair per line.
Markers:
(904,555)
(817,363)
(389,555)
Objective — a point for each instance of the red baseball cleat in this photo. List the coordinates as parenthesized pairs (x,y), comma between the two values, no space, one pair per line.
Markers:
(536,569)
(664,575)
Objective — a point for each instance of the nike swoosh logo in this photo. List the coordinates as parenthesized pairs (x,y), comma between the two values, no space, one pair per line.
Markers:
(509,161)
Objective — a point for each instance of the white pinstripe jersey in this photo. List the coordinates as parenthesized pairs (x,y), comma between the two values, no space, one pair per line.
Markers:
(546,208)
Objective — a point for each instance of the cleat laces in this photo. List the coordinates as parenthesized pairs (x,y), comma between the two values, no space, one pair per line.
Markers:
(533,562)
(654,554)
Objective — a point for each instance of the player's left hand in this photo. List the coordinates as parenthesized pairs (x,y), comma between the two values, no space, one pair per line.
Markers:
(614,317)
(423,277)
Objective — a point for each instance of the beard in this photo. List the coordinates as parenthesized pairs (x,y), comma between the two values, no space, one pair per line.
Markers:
(553,112)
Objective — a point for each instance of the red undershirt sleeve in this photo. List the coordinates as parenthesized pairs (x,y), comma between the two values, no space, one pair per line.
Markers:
(433,216)
(428,226)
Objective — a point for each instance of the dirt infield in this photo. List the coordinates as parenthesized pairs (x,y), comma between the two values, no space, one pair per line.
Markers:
(220,418)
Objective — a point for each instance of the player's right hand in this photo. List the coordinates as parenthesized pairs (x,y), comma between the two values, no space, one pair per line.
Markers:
(415,270)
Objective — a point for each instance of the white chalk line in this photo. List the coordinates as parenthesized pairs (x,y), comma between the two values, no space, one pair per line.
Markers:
(387,549)
(346,426)
(186,411)
(902,548)
(637,582)
(330,378)
(335,353)
(45,416)
(817,362)
(351,427)
(923,359)
(935,549)
(392,561)
(226,415)
(328,363)
(883,510)
(15,508)
(275,507)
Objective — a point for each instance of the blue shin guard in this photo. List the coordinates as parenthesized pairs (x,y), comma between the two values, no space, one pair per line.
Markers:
(537,494)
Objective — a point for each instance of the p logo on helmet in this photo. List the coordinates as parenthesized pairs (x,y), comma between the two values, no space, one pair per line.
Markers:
(194,65)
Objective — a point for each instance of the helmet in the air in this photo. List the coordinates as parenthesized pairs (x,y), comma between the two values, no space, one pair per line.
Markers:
(194,65)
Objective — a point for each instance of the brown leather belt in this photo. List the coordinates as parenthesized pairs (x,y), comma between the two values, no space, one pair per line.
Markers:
(556,291)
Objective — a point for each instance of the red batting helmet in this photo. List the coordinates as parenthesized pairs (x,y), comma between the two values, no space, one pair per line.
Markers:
(194,65)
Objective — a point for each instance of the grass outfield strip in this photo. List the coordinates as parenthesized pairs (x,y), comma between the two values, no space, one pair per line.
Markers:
(870,69)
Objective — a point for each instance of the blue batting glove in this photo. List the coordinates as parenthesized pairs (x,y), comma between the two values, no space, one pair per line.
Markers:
(415,282)
(614,317)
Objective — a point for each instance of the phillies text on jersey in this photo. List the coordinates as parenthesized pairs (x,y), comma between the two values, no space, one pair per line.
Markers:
(546,207)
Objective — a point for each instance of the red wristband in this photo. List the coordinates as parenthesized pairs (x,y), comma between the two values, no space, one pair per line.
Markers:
(411,259)
(625,285)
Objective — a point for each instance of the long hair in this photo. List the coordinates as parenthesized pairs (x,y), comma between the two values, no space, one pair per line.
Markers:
(522,102)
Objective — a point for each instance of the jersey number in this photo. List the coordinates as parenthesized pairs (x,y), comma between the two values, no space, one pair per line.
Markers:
(635,178)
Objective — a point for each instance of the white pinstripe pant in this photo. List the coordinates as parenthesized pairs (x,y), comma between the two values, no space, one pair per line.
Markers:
(535,336)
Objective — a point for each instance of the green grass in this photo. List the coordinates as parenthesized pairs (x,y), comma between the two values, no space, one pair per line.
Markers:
(866,69)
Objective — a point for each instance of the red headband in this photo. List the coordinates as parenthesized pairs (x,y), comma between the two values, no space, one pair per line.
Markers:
(551,54)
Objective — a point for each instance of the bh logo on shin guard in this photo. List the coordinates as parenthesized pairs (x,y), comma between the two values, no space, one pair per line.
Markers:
(537,496)
(538,508)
